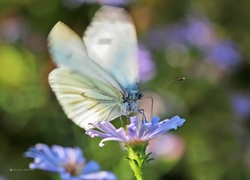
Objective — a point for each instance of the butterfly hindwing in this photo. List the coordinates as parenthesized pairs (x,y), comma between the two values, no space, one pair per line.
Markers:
(83,99)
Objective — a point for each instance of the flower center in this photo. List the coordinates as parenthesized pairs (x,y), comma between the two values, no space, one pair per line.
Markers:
(74,169)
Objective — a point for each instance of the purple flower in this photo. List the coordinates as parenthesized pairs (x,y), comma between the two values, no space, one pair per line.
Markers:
(198,32)
(146,64)
(193,31)
(167,146)
(136,131)
(158,37)
(68,162)
(113,2)
(77,3)
(13,28)
(224,54)
(241,105)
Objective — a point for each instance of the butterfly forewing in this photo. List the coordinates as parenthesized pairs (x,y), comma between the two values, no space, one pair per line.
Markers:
(68,50)
(111,42)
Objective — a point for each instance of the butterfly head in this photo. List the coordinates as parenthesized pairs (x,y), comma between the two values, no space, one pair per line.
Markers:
(130,102)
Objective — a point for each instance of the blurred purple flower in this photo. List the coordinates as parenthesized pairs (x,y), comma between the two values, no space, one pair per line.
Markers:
(13,28)
(158,37)
(146,64)
(167,146)
(223,54)
(3,178)
(113,2)
(77,3)
(68,162)
(198,32)
(194,32)
(241,105)
(135,132)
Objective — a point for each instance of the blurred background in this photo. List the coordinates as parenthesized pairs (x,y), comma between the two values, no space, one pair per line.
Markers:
(205,41)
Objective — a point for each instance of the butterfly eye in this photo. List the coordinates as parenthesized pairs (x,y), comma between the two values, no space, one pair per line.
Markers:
(140,95)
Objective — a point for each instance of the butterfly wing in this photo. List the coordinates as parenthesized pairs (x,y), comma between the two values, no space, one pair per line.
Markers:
(90,87)
(85,100)
(86,91)
(68,50)
(111,41)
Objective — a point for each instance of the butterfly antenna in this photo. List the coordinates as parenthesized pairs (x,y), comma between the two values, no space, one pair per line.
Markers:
(141,111)
(151,105)
(160,84)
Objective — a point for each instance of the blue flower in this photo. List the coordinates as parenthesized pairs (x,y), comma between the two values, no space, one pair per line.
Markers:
(191,32)
(166,147)
(146,64)
(136,131)
(68,162)
(240,103)
(77,3)
(223,54)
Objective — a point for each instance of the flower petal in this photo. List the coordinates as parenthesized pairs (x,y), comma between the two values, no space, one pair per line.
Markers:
(143,131)
(101,175)
(90,167)
(68,162)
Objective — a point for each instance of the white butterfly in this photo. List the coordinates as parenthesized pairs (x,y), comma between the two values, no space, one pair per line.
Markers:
(97,77)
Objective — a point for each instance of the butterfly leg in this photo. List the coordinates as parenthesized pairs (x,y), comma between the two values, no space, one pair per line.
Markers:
(141,111)
(122,125)
(151,107)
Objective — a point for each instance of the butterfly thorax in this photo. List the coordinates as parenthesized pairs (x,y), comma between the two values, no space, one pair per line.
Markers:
(130,102)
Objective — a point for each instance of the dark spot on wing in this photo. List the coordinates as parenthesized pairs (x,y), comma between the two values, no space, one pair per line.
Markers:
(69,56)
(104,41)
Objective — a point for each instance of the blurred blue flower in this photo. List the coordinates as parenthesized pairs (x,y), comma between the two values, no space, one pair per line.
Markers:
(77,3)
(3,178)
(241,104)
(158,37)
(146,64)
(136,131)
(13,28)
(223,54)
(198,33)
(193,31)
(68,162)
(167,146)
(112,2)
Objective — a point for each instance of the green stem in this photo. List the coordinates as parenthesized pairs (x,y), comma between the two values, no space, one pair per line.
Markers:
(137,158)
